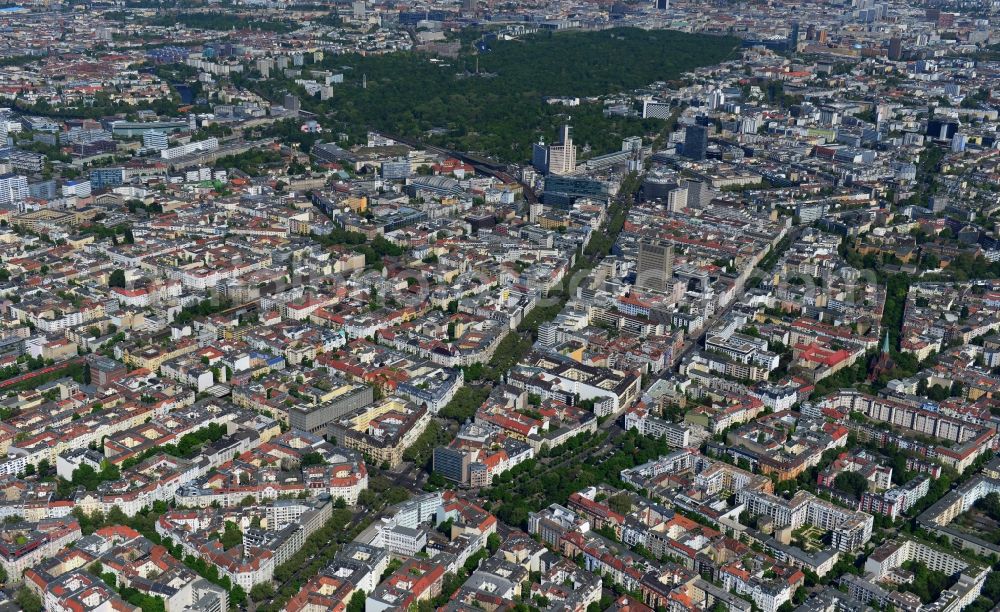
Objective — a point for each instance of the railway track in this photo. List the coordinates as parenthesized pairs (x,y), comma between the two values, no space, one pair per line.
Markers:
(482,165)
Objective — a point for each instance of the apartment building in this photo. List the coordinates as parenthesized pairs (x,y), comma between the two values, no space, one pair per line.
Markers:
(383,430)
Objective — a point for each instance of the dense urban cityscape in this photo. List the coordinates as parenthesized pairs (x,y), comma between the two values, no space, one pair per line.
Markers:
(586,306)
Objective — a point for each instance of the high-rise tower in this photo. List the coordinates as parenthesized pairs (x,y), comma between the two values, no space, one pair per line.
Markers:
(562,156)
(656,265)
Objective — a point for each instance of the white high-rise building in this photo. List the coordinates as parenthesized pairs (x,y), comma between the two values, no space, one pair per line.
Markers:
(677,199)
(562,156)
(749,124)
(716,99)
(13,189)
(535,210)
(264,66)
(958,142)
(157,141)
(79,189)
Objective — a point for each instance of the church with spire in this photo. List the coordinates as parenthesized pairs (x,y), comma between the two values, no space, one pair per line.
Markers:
(883,361)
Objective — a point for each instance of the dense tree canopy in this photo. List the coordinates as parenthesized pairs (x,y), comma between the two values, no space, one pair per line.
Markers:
(851,483)
(502,109)
(221,21)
